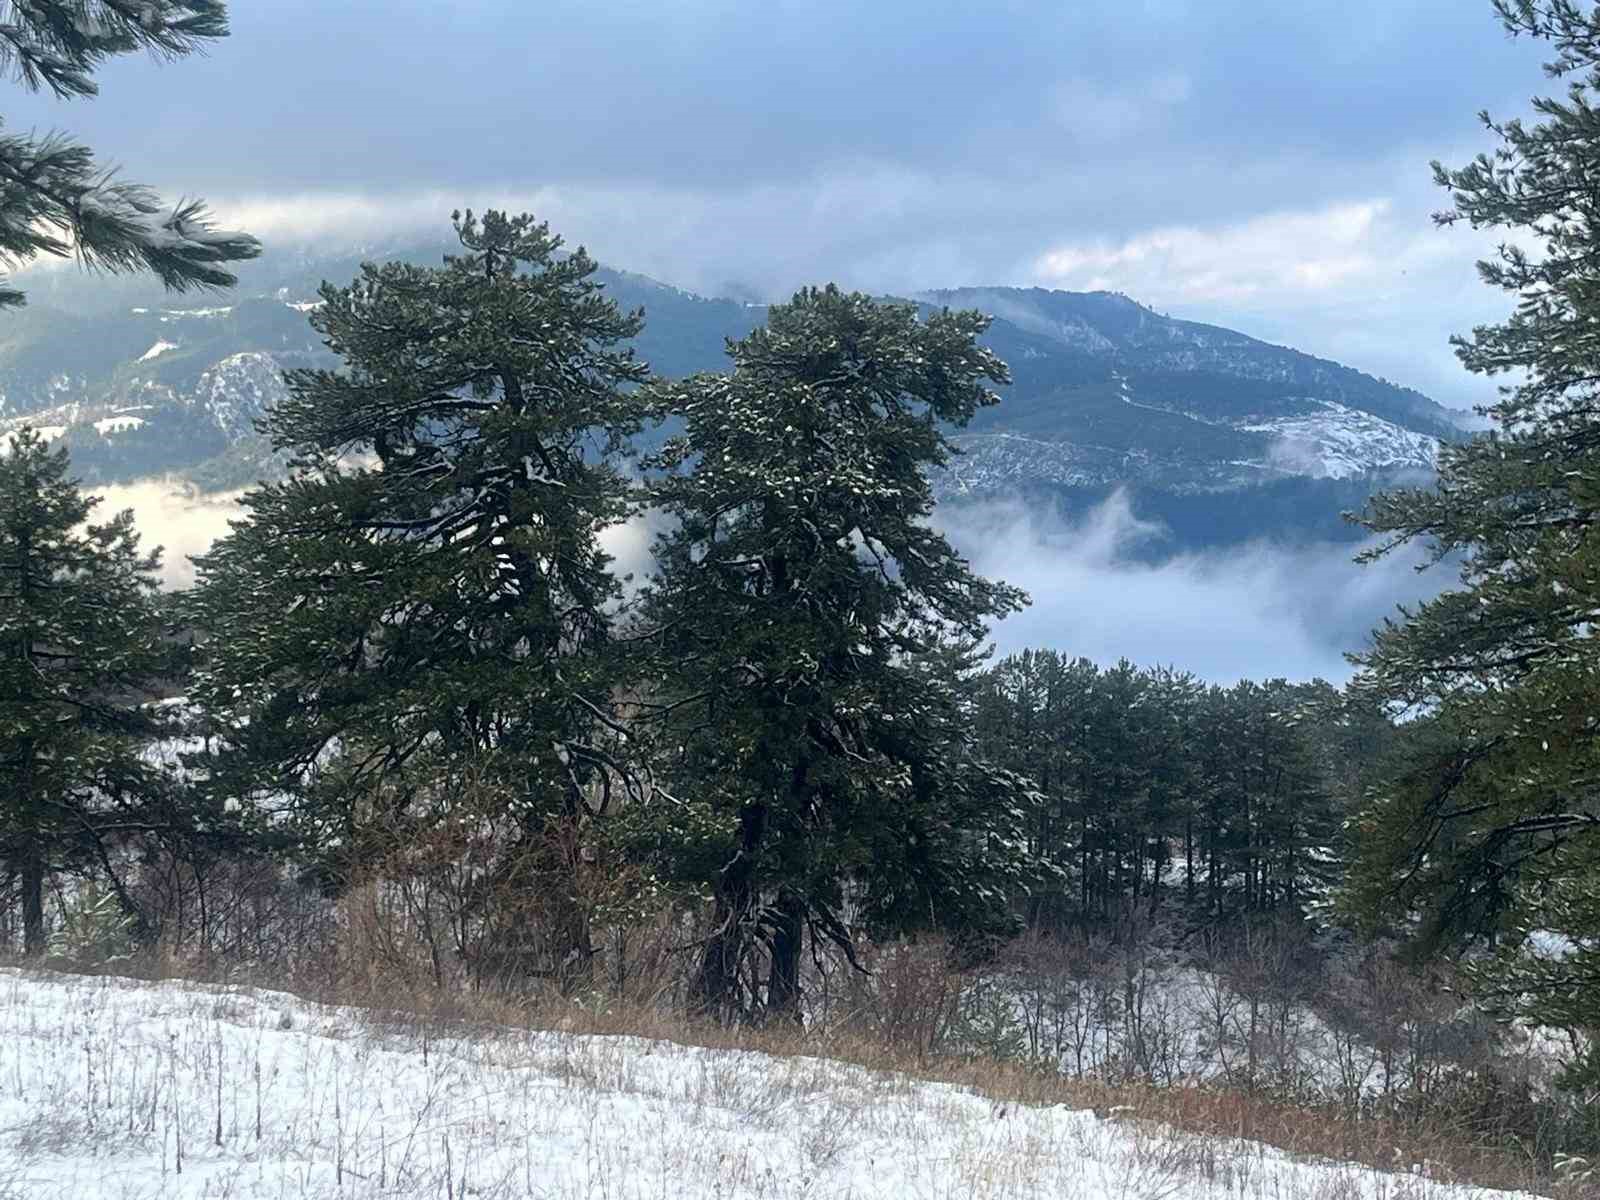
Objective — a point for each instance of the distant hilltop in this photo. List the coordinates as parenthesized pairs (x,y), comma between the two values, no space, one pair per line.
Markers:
(1107,393)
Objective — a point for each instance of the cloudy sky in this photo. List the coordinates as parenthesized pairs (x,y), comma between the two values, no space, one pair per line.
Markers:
(1260,165)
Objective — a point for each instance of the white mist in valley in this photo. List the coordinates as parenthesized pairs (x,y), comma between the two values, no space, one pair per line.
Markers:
(1254,611)
(174,515)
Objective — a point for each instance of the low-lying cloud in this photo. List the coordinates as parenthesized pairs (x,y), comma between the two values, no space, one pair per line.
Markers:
(1282,251)
(1242,612)
(174,515)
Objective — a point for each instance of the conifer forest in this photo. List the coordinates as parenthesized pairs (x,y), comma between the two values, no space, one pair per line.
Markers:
(416,724)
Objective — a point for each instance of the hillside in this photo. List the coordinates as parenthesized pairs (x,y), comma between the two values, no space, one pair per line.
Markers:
(1218,434)
(1109,391)
(115,1088)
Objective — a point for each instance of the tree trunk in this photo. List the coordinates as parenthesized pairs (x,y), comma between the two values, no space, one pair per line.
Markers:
(1188,861)
(32,901)
(716,983)
(783,979)
(577,961)
(716,987)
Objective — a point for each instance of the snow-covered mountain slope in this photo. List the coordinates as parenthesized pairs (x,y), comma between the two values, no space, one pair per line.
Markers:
(238,391)
(118,1089)
(1107,436)
(1199,366)
(1106,392)
(224,402)
(1109,393)
(152,390)
(1335,442)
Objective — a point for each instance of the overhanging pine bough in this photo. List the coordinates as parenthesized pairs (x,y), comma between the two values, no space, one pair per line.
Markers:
(54,198)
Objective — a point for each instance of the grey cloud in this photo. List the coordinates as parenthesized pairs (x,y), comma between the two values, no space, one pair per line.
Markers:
(890,146)
(397,92)
(1253,612)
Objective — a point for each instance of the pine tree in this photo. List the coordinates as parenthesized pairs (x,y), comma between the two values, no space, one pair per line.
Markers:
(425,600)
(1146,775)
(54,198)
(815,631)
(80,644)
(1027,709)
(1493,827)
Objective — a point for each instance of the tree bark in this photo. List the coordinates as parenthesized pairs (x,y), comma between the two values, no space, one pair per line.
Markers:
(716,987)
(716,982)
(33,943)
(783,978)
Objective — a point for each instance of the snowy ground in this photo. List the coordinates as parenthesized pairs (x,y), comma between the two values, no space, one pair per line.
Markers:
(112,1088)
(1196,1026)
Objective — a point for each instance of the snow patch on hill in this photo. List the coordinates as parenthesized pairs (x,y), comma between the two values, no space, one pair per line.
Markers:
(157,350)
(1338,442)
(205,314)
(117,424)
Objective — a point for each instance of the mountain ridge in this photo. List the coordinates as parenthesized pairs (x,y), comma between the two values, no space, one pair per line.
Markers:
(1106,391)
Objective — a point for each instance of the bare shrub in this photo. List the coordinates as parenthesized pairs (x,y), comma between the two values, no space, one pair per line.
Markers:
(1068,994)
(909,998)
(1152,1035)
(1255,991)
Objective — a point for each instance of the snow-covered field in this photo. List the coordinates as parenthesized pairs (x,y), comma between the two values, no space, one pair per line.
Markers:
(114,1088)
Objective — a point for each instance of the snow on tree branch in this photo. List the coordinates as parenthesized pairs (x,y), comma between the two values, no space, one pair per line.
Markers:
(57,44)
(54,198)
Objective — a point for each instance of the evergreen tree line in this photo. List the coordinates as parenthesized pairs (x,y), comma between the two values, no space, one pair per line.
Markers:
(1159,792)
(414,664)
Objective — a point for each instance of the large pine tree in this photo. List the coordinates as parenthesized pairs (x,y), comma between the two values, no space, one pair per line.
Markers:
(815,630)
(1493,827)
(80,644)
(426,600)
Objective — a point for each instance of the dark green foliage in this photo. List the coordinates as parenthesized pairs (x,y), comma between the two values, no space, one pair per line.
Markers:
(412,633)
(815,632)
(1163,793)
(80,646)
(1492,830)
(54,198)
(57,44)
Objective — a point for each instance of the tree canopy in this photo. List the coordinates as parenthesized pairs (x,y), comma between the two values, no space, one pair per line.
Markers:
(425,600)
(813,629)
(80,647)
